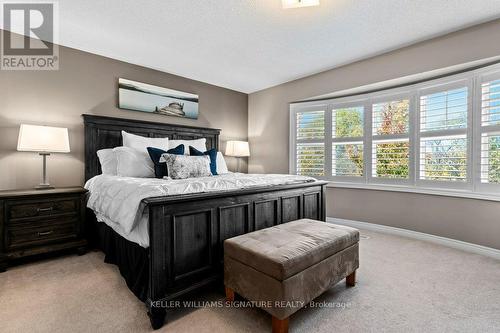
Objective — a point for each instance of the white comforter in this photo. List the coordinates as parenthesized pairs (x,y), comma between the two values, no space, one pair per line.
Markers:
(117,200)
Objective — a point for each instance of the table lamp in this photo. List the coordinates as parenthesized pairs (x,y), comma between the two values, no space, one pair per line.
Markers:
(237,149)
(43,140)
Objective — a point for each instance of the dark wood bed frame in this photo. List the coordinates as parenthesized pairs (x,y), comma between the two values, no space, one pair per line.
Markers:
(187,231)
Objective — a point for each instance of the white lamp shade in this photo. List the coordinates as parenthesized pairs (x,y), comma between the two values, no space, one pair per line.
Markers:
(43,139)
(299,3)
(237,149)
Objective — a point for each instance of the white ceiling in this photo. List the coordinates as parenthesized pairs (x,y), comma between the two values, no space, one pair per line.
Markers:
(249,45)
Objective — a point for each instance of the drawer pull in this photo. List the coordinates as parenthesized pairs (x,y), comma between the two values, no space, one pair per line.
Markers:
(48,209)
(46,233)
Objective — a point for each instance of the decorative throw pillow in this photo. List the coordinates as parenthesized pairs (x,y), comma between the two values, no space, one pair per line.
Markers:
(182,166)
(133,163)
(160,166)
(212,153)
(221,164)
(200,144)
(108,161)
(142,143)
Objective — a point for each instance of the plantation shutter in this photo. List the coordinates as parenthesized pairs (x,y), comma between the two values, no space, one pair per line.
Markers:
(490,132)
(438,135)
(443,135)
(391,142)
(310,145)
(347,141)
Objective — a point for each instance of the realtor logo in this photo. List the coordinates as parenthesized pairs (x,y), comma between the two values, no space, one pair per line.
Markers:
(29,36)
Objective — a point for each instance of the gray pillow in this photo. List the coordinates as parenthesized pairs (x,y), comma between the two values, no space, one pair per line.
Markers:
(184,166)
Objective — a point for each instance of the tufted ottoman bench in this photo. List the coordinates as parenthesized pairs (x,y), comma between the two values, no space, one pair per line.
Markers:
(283,268)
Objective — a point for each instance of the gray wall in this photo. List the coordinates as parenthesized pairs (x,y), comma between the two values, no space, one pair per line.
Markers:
(470,220)
(87,83)
(268,126)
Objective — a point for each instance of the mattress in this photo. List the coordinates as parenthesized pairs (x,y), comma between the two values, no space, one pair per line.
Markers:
(117,201)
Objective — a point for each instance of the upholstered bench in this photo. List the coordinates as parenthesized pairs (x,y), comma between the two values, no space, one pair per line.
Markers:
(283,268)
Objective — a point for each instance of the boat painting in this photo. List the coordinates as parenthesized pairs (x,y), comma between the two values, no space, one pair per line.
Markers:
(137,96)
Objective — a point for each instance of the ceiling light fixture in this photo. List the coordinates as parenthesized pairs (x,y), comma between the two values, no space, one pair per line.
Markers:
(299,3)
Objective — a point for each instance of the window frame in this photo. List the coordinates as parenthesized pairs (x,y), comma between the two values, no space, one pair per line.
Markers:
(437,88)
(347,104)
(293,139)
(479,130)
(472,187)
(395,95)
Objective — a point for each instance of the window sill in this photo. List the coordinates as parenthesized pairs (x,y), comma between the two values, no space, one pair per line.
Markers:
(419,190)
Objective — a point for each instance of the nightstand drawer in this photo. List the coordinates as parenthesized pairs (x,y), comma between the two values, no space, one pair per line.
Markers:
(35,222)
(41,232)
(26,209)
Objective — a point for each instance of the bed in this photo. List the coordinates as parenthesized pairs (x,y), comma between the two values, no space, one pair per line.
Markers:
(186,231)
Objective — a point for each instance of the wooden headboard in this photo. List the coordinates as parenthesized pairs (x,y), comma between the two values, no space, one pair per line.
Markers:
(105,132)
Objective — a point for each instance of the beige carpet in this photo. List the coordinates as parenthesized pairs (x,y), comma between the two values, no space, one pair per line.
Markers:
(403,285)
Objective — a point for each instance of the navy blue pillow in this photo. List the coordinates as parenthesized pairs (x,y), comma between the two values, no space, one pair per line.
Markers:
(212,153)
(161,167)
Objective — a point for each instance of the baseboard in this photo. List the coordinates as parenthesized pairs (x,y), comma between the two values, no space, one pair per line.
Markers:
(453,243)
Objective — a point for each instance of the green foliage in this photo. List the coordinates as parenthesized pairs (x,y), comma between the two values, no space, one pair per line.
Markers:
(311,125)
(393,158)
(443,159)
(348,159)
(393,117)
(494,157)
(446,159)
(355,153)
(311,160)
(348,123)
(311,157)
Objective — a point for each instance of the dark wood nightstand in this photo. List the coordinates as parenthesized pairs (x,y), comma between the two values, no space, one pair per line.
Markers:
(41,221)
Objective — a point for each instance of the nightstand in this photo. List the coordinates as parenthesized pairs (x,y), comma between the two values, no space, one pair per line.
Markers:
(35,222)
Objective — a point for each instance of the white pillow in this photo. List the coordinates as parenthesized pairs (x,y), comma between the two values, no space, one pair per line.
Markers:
(142,143)
(199,144)
(109,163)
(221,164)
(133,163)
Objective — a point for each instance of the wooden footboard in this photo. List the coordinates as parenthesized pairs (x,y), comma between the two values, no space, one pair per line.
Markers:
(187,233)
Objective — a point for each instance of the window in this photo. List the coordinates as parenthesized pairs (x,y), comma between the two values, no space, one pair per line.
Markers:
(490,158)
(347,141)
(440,135)
(443,158)
(443,134)
(391,143)
(490,132)
(310,148)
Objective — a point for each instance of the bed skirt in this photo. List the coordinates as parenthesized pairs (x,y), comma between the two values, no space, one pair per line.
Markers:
(131,258)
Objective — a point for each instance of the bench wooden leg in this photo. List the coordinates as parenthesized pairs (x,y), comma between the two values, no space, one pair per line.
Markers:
(229,295)
(280,325)
(350,280)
